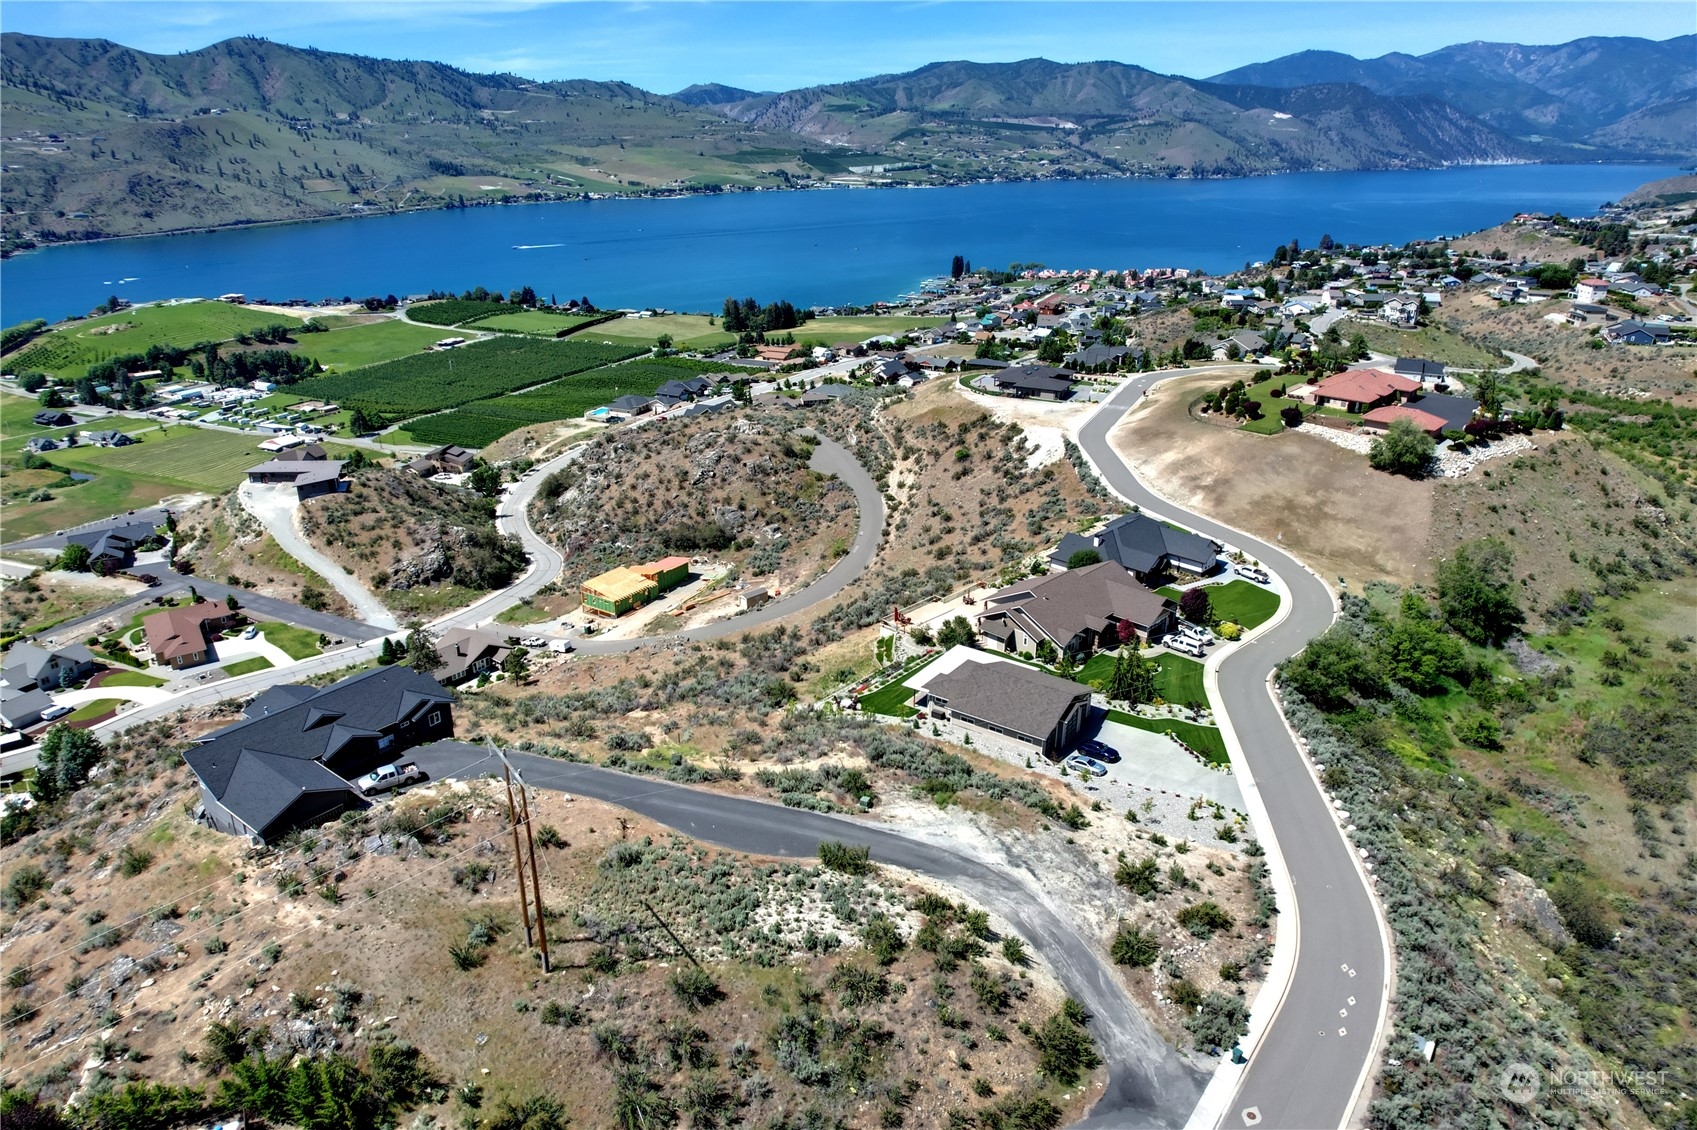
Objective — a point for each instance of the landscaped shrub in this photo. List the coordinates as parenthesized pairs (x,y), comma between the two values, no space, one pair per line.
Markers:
(1205,919)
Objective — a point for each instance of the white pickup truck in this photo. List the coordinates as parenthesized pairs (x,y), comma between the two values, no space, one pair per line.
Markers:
(386,777)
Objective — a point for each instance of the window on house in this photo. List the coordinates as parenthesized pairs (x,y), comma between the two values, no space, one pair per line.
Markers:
(385,742)
(436,718)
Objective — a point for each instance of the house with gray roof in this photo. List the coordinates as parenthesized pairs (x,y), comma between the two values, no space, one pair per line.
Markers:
(20,709)
(309,477)
(1077,611)
(27,665)
(467,653)
(115,545)
(1012,699)
(1144,547)
(290,762)
(1420,369)
(1041,381)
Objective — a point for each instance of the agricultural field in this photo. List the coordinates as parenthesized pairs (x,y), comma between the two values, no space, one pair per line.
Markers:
(454,311)
(70,349)
(689,331)
(366,344)
(485,421)
(427,382)
(541,323)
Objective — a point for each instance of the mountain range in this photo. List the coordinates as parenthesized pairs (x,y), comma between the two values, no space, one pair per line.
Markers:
(102,139)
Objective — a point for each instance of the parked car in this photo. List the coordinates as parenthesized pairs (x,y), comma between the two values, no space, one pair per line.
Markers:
(1078,763)
(1101,751)
(53,712)
(252,631)
(533,641)
(1185,647)
(386,777)
(1254,573)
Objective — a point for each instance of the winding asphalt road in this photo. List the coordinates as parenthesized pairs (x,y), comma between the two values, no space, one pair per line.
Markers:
(1307,1067)
(1149,1083)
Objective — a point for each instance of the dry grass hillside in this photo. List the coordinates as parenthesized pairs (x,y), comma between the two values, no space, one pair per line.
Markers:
(1565,354)
(223,541)
(150,948)
(736,490)
(421,546)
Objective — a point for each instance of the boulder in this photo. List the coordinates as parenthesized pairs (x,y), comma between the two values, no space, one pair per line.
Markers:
(1528,904)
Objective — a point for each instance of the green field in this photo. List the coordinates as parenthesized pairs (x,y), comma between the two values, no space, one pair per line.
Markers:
(830,331)
(485,421)
(186,457)
(96,709)
(427,382)
(1205,740)
(1243,603)
(69,350)
(542,323)
(296,643)
(453,311)
(367,344)
(1177,679)
(247,666)
(689,331)
(131,679)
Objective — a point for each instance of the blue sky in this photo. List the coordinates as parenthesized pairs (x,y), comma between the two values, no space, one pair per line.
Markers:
(780,45)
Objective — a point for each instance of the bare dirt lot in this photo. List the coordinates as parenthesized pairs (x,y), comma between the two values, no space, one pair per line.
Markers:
(1321,502)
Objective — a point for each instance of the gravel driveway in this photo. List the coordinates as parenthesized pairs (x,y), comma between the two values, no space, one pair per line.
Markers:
(275,505)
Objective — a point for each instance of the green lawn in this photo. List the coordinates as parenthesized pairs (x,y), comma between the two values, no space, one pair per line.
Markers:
(131,679)
(889,700)
(1177,679)
(368,344)
(247,666)
(95,709)
(1205,740)
(296,643)
(184,457)
(689,331)
(830,331)
(540,322)
(1243,603)
(68,350)
(105,496)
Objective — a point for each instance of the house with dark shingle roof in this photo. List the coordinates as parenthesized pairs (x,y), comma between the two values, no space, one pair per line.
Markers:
(1632,332)
(290,762)
(1144,547)
(1078,611)
(1042,381)
(467,653)
(1420,369)
(115,545)
(53,418)
(1012,699)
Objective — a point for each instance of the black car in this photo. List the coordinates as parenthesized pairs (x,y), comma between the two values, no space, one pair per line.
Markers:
(148,579)
(1101,751)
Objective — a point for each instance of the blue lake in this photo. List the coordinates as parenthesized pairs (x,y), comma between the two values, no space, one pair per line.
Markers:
(819,247)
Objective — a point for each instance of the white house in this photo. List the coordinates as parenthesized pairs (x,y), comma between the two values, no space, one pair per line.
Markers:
(1590,290)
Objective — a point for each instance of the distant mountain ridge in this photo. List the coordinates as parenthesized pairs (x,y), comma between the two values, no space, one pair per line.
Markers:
(1611,91)
(103,139)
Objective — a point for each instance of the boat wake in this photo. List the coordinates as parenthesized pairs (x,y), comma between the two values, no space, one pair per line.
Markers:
(534,246)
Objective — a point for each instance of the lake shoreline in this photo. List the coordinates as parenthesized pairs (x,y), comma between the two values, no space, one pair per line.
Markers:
(741,190)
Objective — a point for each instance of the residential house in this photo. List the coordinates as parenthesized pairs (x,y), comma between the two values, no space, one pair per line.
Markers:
(449,459)
(1041,381)
(1381,419)
(1103,358)
(774,353)
(27,666)
(108,438)
(1009,698)
(1428,372)
(1591,290)
(1634,287)
(53,418)
(309,477)
(1401,312)
(1361,390)
(691,388)
(183,636)
(290,762)
(1144,547)
(755,597)
(621,589)
(20,709)
(822,394)
(1633,332)
(1584,313)
(633,405)
(1077,611)
(40,444)
(1248,344)
(467,653)
(113,547)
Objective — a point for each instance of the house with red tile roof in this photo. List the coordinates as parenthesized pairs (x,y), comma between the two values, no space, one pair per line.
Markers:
(182,637)
(1361,390)
(1381,419)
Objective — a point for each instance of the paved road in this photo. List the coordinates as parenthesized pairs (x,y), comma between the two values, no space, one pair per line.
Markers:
(1304,1070)
(1149,1083)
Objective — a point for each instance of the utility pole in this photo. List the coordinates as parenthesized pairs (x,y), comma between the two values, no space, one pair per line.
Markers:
(535,878)
(518,856)
(516,816)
